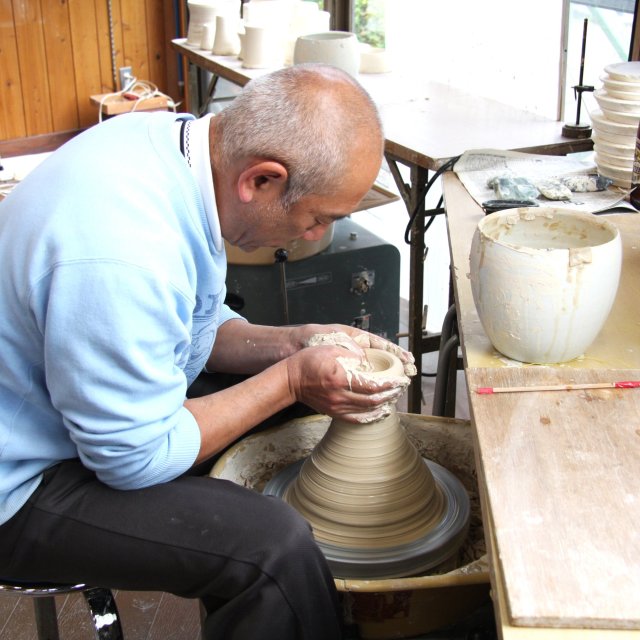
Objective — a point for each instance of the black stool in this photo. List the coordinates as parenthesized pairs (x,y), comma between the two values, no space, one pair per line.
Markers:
(100,601)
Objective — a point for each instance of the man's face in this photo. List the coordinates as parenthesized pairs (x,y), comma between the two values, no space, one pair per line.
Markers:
(268,223)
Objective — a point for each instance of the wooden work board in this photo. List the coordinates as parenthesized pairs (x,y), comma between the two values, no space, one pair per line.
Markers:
(559,470)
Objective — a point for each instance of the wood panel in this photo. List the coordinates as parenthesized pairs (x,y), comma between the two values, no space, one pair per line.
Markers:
(54,55)
(86,56)
(135,38)
(12,111)
(62,91)
(32,61)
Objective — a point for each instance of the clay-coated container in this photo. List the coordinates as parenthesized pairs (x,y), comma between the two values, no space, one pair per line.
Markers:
(544,280)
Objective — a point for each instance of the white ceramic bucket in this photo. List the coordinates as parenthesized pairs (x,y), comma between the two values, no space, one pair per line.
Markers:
(544,281)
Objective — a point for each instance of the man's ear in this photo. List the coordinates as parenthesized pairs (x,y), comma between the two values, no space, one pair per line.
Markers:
(261,178)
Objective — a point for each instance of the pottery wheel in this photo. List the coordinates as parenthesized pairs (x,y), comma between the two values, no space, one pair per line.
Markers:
(411,558)
(377,508)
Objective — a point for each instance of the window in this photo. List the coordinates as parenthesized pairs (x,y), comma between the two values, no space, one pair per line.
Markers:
(530,59)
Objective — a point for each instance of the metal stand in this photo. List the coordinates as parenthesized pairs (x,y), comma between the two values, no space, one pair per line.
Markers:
(577,130)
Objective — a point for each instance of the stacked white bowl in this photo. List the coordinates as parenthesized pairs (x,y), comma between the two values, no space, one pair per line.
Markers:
(615,124)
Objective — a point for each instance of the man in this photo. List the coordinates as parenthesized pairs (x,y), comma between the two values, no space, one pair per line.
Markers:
(112,291)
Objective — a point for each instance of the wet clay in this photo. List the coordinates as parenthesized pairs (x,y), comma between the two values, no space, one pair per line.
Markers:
(366,485)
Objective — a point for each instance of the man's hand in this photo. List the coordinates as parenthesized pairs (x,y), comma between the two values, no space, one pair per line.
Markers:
(333,380)
(352,338)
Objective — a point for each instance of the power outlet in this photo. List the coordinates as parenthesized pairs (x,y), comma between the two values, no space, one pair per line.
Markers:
(126,76)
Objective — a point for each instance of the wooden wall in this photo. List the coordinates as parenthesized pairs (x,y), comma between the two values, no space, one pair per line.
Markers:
(54,54)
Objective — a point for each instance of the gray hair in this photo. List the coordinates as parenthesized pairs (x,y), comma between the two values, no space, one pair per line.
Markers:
(311,118)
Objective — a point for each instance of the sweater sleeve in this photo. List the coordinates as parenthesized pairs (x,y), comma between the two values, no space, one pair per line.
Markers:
(116,339)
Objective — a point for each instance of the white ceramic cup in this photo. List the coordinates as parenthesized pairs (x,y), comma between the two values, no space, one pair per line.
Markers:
(374,60)
(208,36)
(544,281)
(227,42)
(337,48)
(263,47)
(200,13)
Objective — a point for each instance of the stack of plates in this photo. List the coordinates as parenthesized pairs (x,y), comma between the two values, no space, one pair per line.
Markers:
(615,125)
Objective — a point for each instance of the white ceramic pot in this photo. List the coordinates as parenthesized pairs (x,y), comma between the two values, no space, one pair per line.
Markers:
(374,60)
(337,48)
(227,41)
(200,13)
(544,281)
(208,36)
(262,47)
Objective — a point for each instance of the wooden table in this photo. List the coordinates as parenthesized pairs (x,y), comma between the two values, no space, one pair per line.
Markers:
(426,124)
(559,471)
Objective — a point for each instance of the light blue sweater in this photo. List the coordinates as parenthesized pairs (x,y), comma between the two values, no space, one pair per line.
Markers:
(111,293)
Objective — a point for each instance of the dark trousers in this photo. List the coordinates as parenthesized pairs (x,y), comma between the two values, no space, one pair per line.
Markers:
(250,558)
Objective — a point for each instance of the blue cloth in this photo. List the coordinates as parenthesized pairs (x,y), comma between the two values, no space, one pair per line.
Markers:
(111,294)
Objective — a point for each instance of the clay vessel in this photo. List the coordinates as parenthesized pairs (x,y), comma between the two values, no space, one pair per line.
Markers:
(200,13)
(544,281)
(263,47)
(208,36)
(366,486)
(337,48)
(227,41)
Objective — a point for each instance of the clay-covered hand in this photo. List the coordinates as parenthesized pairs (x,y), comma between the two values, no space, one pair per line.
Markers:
(333,381)
(346,336)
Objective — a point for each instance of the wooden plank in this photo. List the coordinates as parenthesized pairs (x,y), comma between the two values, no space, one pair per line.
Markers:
(62,88)
(559,469)
(35,144)
(32,60)
(12,117)
(510,632)
(112,105)
(84,39)
(156,43)
(561,474)
(134,35)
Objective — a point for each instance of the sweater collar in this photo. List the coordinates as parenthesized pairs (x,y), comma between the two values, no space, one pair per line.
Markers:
(194,144)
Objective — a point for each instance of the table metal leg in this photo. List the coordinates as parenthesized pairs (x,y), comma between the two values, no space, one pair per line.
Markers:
(413,194)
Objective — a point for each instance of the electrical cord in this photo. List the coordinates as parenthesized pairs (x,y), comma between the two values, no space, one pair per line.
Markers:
(449,164)
(137,91)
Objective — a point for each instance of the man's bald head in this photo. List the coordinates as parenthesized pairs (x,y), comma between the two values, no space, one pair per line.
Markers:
(314,119)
